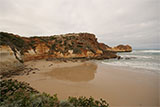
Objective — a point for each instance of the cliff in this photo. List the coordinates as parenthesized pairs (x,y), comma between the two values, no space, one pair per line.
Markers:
(121,48)
(72,45)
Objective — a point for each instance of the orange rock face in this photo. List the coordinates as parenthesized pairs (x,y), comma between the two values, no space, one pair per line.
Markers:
(122,48)
(72,45)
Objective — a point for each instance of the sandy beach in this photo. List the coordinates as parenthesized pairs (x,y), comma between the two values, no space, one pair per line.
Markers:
(119,86)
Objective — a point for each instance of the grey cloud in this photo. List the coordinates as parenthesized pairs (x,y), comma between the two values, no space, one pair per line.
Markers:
(114,22)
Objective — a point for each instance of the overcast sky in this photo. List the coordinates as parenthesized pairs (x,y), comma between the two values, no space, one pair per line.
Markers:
(114,22)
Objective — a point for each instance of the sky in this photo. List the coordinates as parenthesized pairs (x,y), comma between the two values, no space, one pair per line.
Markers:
(114,22)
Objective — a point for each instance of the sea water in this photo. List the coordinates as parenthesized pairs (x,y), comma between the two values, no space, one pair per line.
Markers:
(144,59)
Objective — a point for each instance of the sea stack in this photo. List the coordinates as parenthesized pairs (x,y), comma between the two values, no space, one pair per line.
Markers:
(121,48)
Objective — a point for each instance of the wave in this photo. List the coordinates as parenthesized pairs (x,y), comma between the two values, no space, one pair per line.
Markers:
(149,66)
(145,59)
(147,51)
(135,56)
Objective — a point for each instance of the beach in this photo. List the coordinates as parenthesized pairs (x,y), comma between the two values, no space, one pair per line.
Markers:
(119,86)
(79,53)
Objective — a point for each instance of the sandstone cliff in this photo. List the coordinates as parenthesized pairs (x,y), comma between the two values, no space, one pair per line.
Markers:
(121,48)
(72,45)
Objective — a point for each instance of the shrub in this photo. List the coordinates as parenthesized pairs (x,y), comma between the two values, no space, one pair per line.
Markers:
(66,104)
(52,38)
(53,47)
(87,102)
(8,39)
(91,48)
(20,94)
(80,46)
(58,41)
(77,51)
(32,44)
(43,40)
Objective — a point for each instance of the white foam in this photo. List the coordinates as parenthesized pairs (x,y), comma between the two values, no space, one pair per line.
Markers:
(151,51)
(144,65)
(135,56)
(138,59)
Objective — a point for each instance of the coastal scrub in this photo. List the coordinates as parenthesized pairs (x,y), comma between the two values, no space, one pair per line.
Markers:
(20,94)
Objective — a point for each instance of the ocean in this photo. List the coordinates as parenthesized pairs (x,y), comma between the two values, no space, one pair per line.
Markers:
(143,59)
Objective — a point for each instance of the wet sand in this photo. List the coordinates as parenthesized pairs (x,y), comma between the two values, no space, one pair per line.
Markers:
(119,86)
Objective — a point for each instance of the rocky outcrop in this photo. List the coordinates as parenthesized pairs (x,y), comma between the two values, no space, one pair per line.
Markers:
(72,45)
(121,48)
(8,62)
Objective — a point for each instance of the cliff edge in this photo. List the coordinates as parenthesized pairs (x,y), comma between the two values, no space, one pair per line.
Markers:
(72,45)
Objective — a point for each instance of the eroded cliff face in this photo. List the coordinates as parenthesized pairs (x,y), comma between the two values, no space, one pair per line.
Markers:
(121,48)
(8,61)
(73,45)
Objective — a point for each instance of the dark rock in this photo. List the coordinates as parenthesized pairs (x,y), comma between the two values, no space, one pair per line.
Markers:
(127,58)
(119,57)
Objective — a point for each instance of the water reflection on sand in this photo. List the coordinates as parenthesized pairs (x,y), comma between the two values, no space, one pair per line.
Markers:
(84,72)
(119,86)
